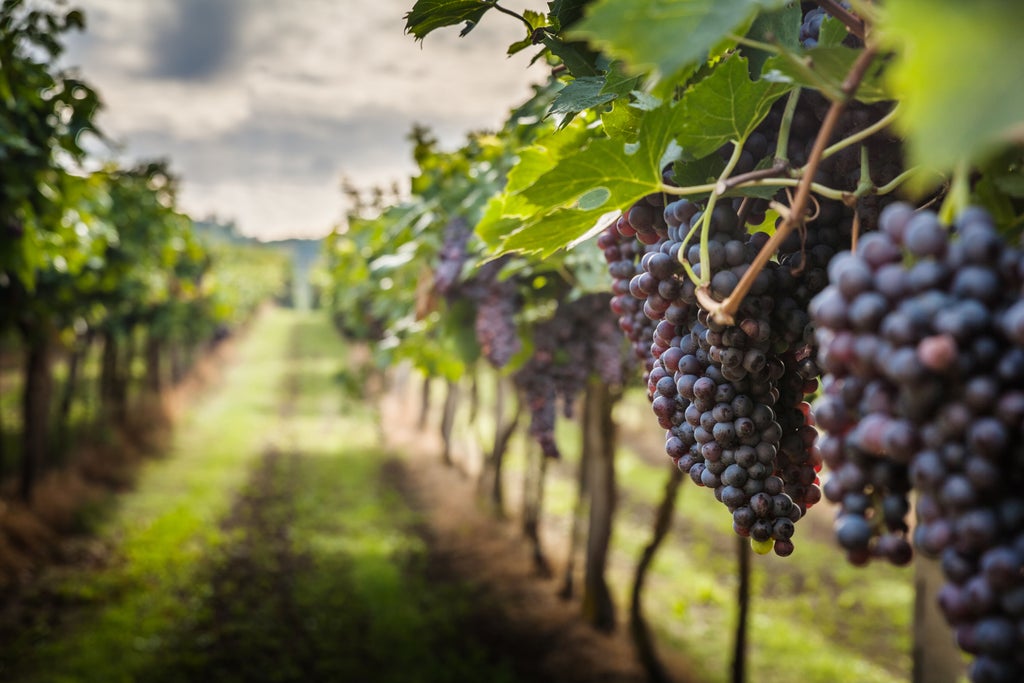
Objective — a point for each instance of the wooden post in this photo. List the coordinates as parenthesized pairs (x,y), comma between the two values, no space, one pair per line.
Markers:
(739,653)
(599,441)
(36,410)
(936,657)
(639,630)
(451,399)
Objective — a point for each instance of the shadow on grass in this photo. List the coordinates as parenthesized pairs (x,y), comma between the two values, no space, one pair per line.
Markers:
(323,578)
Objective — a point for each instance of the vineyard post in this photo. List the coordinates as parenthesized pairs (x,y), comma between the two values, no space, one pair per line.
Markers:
(533,504)
(36,396)
(599,443)
(935,661)
(739,653)
(108,373)
(123,375)
(3,440)
(421,422)
(504,427)
(154,353)
(451,401)
(79,349)
(638,627)
(579,512)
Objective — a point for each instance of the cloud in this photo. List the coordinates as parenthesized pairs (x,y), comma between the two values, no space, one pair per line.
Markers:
(292,146)
(197,41)
(258,95)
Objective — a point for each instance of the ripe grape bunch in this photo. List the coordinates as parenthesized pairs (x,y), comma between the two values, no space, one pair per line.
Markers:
(731,398)
(921,334)
(577,341)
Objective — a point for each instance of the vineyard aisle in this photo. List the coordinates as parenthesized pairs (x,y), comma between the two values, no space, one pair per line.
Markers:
(270,545)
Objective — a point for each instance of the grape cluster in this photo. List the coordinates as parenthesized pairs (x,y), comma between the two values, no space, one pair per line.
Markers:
(495,300)
(579,340)
(921,334)
(730,397)
(623,257)
(452,255)
(495,323)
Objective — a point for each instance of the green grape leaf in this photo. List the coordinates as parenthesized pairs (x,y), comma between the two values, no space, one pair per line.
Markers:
(626,169)
(519,46)
(622,120)
(617,82)
(565,12)
(579,95)
(698,172)
(552,232)
(536,20)
(665,35)
(428,15)
(503,216)
(781,27)
(725,106)
(569,200)
(825,69)
(960,74)
(573,55)
(832,32)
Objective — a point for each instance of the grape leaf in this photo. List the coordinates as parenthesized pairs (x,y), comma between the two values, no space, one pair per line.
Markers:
(825,69)
(960,74)
(781,26)
(502,217)
(428,15)
(626,169)
(725,106)
(622,120)
(579,95)
(617,82)
(577,59)
(566,12)
(665,35)
(536,20)
(605,176)
(698,172)
(832,32)
(506,212)
(551,232)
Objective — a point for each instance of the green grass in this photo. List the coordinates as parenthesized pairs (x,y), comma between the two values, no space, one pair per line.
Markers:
(163,530)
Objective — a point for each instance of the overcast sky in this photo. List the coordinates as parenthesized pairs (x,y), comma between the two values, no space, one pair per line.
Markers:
(262,105)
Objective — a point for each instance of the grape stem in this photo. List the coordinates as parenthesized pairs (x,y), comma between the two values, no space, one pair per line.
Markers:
(853,23)
(742,180)
(878,125)
(865,185)
(823,190)
(782,144)
(725,311)
(520,17)
(704,224)
(897,181)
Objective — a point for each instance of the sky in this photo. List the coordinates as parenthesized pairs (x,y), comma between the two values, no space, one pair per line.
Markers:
(262,106)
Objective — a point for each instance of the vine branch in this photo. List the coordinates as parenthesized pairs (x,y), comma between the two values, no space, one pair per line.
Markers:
(853,23)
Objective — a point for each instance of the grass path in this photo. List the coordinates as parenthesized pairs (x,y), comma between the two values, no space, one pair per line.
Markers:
(265,547)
